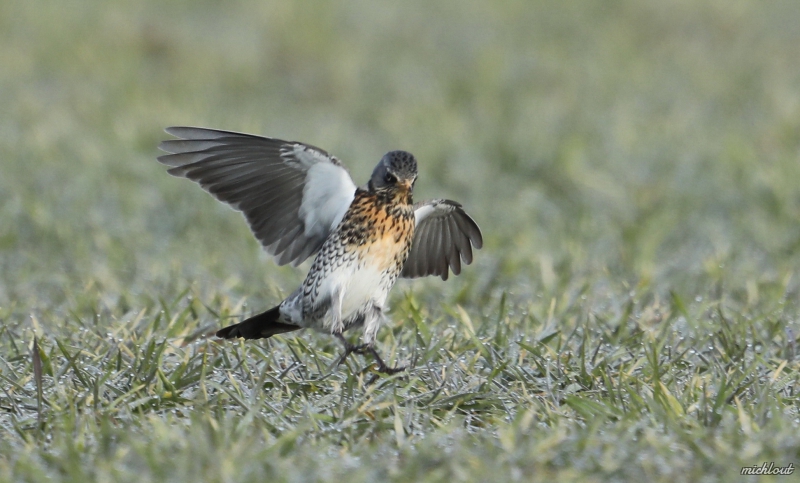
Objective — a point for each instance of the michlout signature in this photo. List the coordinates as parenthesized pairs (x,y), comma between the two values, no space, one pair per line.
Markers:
(768,468)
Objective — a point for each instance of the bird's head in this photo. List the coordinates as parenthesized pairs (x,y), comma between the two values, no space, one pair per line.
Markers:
(397,170)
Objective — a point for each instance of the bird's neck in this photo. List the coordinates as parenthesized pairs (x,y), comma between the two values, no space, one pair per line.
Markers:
(393,196)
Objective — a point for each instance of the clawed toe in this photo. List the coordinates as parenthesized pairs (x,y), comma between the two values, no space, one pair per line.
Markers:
(352,349)
(382,367)
(390,370)
(367,349)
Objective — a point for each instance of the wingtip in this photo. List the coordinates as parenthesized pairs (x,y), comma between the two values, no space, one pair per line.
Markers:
(476,236)
(164,146)
(466,255)
(477,242)
(189,132)
(176,168)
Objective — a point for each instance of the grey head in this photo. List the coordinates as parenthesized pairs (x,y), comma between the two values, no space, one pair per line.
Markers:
(397,169)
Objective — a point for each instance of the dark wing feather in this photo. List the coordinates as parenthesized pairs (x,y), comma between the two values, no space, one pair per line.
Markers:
(443,238)
(292,194)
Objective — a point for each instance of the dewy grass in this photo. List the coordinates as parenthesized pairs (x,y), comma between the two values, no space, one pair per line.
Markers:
(633,314)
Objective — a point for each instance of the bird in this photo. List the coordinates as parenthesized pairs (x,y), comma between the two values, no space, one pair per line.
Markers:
(300,201)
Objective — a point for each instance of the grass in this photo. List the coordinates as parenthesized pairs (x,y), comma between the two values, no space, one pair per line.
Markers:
(633,314)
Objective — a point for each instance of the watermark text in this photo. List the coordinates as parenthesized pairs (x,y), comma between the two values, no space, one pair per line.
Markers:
(768,469)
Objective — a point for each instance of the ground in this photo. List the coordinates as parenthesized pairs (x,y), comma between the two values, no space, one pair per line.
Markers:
(633,314)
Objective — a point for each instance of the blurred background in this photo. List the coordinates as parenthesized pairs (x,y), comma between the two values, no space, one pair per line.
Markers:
(633,164)
(614,145)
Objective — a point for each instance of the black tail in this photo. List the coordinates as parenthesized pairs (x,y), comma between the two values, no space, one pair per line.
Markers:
(259,326)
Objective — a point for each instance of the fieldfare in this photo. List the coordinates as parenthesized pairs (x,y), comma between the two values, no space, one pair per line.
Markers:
(300,201)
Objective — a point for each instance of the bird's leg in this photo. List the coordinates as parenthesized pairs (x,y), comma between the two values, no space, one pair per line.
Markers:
(366,349)
(374,319)
(337,326)
(372,322)
(349,348)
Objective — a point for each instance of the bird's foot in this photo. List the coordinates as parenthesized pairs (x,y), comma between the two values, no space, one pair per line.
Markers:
(382,367)
(365,349)
(350,348)
(390,370)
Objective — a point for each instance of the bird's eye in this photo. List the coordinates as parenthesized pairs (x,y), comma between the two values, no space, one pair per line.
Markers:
(390,178)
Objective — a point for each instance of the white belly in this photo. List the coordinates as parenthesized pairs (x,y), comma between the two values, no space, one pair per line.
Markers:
(358,287)
(362,288)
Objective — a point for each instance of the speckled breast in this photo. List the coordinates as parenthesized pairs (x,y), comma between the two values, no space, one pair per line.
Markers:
(380,229)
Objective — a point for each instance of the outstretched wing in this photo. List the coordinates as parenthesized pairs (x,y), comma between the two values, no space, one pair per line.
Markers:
(292,194)
(443,238)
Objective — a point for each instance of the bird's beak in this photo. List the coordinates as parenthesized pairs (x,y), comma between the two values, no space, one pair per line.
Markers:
(406,184)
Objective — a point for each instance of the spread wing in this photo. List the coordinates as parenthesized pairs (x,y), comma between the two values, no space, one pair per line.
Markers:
(292,194)
(443,238)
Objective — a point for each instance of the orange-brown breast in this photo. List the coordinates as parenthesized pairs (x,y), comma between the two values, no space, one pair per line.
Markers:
(381,228)
(390,243)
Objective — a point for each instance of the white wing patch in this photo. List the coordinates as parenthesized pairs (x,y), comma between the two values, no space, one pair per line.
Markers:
(308,157)
(324,201)
(423,212)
